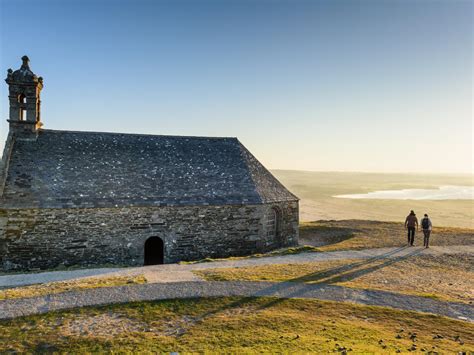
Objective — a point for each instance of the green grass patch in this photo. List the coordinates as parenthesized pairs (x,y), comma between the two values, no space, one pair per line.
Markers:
(235,325)
(72,285)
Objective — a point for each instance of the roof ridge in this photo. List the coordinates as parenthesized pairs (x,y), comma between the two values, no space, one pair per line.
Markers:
(252,168)
(243,153)
(133,134)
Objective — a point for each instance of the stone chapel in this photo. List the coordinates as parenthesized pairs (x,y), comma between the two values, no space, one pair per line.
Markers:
(95,198)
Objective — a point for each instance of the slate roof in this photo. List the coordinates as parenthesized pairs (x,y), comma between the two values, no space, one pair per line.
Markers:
(89,169)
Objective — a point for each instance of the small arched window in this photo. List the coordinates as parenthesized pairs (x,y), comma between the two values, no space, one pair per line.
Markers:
(273,222)
(22,102)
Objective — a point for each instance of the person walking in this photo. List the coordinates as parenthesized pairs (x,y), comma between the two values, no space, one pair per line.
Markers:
(427,227)
(411,222)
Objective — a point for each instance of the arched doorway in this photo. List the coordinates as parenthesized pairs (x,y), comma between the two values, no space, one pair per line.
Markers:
(154,251)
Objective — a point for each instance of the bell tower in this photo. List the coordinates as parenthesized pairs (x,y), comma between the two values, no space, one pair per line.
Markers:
(24,95)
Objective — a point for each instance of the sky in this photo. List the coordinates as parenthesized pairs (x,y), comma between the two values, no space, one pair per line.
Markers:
(336,85)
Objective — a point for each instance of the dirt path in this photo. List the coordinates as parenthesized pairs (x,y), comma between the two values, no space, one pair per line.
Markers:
(178,281)
(181,273)
(159,291)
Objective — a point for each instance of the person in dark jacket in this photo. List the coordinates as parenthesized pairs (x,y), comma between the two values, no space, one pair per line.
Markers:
(411,222)
(426,226)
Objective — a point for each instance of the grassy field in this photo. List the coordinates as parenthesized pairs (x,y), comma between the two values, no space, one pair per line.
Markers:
(316,191)
(65,286)
(324,236)
(356,234)
(447,277)
(235,325)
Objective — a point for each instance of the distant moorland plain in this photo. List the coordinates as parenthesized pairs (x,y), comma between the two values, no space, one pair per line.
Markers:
(316,191)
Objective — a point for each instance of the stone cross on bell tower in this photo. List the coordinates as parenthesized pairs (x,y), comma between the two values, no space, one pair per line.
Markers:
(24,94)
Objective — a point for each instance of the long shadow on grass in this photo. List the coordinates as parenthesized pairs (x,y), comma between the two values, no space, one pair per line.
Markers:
(319,275)
(340,274)
(333,275)
(324,277)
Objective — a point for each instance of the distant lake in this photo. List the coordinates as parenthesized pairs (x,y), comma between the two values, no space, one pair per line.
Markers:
(447,192)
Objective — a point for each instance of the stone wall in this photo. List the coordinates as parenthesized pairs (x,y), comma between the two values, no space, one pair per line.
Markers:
(47,238)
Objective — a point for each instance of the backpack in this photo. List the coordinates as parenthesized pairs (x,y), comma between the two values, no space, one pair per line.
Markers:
(425,223)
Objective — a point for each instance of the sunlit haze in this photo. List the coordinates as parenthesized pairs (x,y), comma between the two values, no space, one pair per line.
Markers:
(380,86)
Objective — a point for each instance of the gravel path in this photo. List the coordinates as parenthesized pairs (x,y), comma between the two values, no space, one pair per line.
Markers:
(146,292)
(183,273)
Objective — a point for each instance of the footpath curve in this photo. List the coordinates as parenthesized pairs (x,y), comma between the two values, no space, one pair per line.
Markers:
(183,272)
(159,291)
(178,281)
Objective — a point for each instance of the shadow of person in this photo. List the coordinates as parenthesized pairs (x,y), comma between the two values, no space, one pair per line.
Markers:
(322,280)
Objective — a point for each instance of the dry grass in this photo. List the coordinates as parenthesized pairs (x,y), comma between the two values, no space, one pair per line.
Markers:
(235,325)
(447,277)
(64,286)
(357,234)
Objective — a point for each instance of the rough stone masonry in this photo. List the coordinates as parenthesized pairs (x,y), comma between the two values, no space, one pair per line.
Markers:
(90,198)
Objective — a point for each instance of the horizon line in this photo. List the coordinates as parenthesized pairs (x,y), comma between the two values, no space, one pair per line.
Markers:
(375,172)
